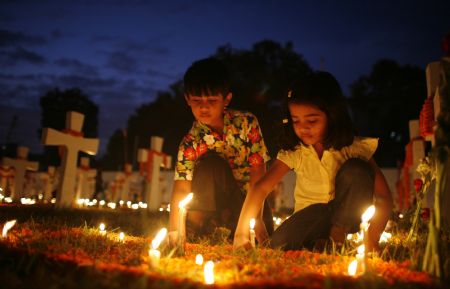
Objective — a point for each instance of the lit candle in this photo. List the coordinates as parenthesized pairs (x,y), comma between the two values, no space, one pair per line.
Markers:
(352,267)
(361,258)
(154,253)
(364,227)
(122,237)
(199,259)
(252,232)
(208,272)
(102,229)
(182,221)
(8,225)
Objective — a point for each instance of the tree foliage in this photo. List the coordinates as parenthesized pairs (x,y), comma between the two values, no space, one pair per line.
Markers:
(383,103)
(54,106)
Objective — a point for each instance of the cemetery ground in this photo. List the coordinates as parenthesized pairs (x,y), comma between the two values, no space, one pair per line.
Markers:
(63,248)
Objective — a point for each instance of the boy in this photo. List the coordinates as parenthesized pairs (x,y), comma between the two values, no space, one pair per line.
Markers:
(220,158)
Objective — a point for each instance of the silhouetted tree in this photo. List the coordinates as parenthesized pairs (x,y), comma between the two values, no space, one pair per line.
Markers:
(54,106)
(383,103)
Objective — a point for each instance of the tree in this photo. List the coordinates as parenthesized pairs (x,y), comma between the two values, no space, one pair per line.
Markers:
(262,76)
(168,116)
(383,103)
(54,106)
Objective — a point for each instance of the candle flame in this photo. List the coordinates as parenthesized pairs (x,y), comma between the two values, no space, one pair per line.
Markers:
(7,226)
(368,214)
(252,224)
(352,268)
(208,272)
(361,249)
(102,227)
(121,236)
(385,236)
(159,238)
(199,259)
(185,201)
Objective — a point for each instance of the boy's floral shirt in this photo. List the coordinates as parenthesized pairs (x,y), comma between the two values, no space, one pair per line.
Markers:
(241,144)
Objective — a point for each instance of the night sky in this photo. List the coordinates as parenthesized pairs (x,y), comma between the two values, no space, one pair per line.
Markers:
(121,53)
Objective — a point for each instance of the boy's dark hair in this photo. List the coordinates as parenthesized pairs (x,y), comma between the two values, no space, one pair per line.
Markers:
(322,90)
(207,76)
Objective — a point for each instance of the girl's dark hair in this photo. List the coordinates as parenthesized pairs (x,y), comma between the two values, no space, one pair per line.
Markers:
(322,90)
(207,76)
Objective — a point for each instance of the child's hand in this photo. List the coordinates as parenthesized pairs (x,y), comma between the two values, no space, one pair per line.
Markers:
(241,242)
(173,239)
(261,231)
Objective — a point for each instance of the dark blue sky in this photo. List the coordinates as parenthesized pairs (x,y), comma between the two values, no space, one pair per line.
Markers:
(121,52)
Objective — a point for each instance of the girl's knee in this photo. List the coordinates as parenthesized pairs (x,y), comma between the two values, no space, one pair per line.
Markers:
(356,168)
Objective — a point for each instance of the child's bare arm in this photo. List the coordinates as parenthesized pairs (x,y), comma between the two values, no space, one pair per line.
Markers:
(255,199)
(383,207)
(179,192)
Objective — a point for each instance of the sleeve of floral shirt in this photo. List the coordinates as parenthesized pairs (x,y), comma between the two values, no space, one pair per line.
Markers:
(258,151)
(186,157)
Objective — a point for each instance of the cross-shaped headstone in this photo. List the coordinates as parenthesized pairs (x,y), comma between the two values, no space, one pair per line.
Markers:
(21,165)
(6,180)
(73,141)
(125,178)
(48,180)
(153,159)
(85,180)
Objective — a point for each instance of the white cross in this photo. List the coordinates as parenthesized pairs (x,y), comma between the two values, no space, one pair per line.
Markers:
(21,165)
(86,180)
(73,142)
(154,159)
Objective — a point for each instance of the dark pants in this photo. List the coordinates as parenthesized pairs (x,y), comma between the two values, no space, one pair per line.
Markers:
(218,197)
(354,186)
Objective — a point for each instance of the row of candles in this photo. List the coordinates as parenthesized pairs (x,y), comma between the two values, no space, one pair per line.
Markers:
(155,254)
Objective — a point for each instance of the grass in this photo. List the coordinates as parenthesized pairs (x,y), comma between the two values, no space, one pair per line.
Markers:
(50,248)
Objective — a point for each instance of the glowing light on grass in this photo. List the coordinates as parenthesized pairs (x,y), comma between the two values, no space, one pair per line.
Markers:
(102,228)
(199,259)
(27,201)
(135,206)
(182,221)
(385,236)
(122,237)
(8,225)
(53,200)
(252,232)
(154,253)
(352,268)
(111,205)
(80,202)
(121,202)
(208,272)
(102,202)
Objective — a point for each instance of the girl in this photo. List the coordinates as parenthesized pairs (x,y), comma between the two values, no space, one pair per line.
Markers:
(336,177)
